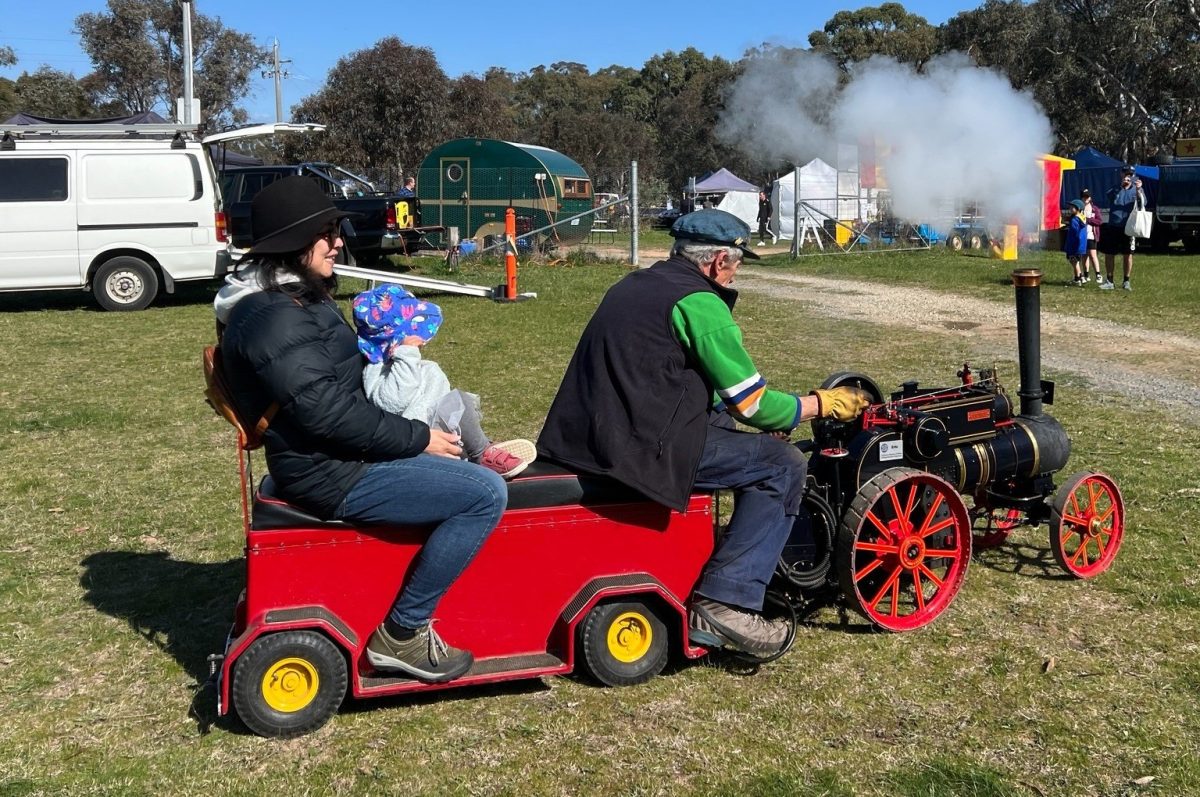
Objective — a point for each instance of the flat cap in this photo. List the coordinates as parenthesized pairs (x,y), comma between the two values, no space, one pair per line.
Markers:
(714,227)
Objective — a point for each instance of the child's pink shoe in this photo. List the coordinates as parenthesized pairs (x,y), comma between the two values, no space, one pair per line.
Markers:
(509,458)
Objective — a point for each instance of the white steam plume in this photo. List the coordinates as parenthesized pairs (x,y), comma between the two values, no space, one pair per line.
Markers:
(954,133)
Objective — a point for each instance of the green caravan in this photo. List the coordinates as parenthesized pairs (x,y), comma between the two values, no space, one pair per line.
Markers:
(469,183)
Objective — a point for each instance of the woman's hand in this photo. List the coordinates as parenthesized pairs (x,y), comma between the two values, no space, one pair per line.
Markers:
(443,444)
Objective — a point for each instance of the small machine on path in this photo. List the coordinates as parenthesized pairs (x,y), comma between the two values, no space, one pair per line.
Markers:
(583,572)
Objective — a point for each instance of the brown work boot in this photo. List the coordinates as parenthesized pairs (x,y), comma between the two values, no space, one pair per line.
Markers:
(715,624)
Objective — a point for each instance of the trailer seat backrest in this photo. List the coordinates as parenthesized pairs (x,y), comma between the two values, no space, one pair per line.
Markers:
(220,397)
(543,484)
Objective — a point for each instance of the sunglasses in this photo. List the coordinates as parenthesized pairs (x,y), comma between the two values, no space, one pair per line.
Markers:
(331,235)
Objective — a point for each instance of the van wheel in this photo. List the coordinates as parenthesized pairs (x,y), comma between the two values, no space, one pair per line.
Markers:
(125,283)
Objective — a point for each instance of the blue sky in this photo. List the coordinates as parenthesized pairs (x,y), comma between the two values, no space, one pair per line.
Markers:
(314,34)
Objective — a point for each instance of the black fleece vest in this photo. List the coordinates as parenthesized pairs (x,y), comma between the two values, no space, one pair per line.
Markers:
(632,405)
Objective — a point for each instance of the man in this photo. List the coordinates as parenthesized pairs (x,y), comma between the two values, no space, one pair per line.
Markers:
(637,405)
(764,218)
(410,188)
(1113,240)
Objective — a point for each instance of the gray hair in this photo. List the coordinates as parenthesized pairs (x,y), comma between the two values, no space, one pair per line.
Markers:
(699,252)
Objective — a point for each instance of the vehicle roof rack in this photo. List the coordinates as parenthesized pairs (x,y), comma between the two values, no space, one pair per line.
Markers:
(45,132)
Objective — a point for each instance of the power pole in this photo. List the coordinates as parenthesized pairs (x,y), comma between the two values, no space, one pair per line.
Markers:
(187,64)
(277,72)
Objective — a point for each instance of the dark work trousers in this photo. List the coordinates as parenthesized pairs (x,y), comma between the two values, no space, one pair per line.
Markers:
(767,478)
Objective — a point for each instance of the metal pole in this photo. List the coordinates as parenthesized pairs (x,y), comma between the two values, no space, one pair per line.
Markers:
(633,213)
(796,212)
(187,63)
(1029,338)
(277,69)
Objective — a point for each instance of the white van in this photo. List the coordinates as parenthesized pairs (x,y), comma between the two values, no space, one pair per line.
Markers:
(117,210)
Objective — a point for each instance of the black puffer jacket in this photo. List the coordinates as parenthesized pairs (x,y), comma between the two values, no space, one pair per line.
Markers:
(305,356)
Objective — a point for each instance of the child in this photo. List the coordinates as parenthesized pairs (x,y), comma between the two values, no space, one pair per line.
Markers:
(1076,245)
(1091,217)
(393,325)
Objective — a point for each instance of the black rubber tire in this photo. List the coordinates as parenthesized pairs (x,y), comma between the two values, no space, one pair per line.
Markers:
(317,652)
(125,283)
(955,242)
(599,659)
(975,241)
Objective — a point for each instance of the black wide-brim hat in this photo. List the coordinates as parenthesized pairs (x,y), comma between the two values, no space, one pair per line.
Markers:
(714,226)
(289,214)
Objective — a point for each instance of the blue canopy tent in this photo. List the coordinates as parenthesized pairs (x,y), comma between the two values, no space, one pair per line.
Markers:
(1100,173)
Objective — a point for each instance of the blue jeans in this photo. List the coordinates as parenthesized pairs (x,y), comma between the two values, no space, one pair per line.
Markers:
(767,478)
(464,500)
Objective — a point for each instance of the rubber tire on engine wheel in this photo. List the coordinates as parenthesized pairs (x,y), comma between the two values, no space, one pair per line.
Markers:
(125,283)
(955,242)
(975,240)
(624,643)
(1088,513)
(915,508)
(288,684)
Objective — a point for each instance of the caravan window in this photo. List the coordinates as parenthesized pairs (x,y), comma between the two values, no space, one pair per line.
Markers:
(574,188)
(33,179)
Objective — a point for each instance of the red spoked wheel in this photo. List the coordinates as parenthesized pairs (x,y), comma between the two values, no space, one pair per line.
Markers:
(903,548)
(992,525)
(1087,524)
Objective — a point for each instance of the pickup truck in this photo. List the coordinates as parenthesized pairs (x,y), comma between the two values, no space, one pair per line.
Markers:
(386,225)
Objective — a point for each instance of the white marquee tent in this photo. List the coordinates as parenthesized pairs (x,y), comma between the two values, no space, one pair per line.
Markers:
(821,194)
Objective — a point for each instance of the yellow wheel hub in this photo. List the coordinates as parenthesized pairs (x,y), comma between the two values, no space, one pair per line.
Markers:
(290,684)
(629,637)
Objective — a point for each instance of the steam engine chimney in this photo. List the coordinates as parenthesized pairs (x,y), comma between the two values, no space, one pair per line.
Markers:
(1029,338)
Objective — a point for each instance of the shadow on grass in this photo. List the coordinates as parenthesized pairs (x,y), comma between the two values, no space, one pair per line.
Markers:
(183,608)
(1021,559)
(186,293)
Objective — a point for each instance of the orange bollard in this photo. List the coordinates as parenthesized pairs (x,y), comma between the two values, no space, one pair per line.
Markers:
(510,255)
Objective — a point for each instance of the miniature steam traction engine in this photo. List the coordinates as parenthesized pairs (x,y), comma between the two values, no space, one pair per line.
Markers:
(583,572)
(885,522)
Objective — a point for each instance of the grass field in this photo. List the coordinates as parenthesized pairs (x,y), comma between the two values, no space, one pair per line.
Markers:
(120,562)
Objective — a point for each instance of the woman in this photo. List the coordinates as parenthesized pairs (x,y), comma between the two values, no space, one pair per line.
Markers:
(287,347)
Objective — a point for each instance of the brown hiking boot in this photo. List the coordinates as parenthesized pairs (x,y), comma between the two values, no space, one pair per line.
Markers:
(714,624)
(425,656)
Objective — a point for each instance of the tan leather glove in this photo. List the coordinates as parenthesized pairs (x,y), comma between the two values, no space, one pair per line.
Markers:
(841,403)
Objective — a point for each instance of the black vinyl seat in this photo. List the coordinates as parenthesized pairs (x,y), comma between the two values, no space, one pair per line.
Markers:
(542,484)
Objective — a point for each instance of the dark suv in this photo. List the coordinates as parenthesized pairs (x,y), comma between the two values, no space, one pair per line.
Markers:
(367,237)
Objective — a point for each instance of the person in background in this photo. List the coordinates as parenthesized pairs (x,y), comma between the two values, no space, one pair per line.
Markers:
(1113,240)
(410,188)
(764,218)
(1093,220)
(1076,240)
(393,326)
(650,398)
(289,353)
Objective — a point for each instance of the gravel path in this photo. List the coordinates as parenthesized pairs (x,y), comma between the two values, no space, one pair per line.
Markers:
(1114,358)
